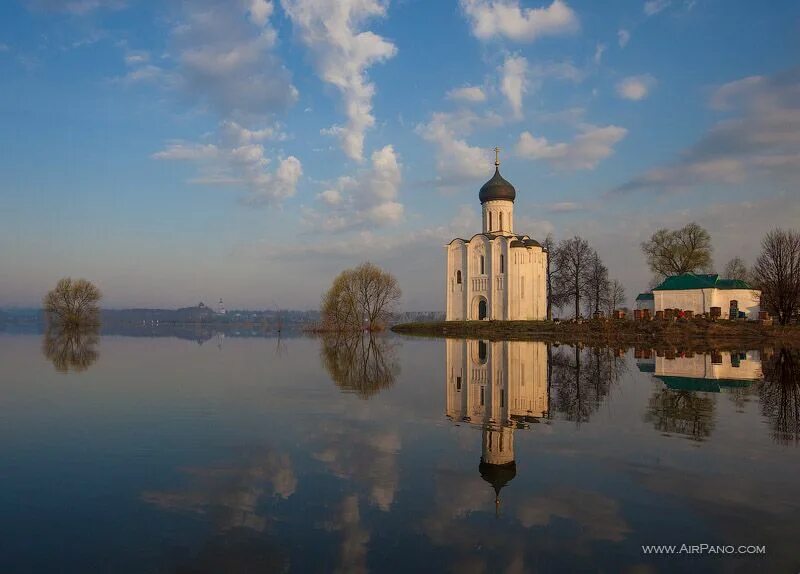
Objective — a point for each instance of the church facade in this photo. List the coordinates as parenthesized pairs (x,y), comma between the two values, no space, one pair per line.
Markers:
(497,274)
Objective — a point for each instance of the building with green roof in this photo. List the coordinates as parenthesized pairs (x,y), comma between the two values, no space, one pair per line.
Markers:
(699,293)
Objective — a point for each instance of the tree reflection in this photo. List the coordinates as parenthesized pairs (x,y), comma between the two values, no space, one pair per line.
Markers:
(583,379)
(681,412)
(361,364)
(779,393)
(71,347)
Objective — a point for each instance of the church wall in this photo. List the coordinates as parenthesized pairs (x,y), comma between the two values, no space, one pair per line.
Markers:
(498,217)
(510,379)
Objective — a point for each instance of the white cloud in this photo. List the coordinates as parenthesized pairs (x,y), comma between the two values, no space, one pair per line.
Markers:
(588,149)
(225,58)
(623,37)
(758,140)
(635,87)
(473,94)
(653,7)
(598,53)
(341,55)
(76,7)
(505,18)
(187,151)
(513,82)
(455,158)
(239,135)
(565,207)
(368,199)
(238,161)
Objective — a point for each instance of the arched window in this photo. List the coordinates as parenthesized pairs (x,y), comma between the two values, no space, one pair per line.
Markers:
(458,276)
(482,351)
(490,221)
(501,220)
(482,267)
(502,263)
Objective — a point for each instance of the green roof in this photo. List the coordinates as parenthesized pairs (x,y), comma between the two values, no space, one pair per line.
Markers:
(644,297)
(700,384)
(700,281)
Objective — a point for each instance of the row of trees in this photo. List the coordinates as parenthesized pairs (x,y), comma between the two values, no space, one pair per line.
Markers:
(576,276)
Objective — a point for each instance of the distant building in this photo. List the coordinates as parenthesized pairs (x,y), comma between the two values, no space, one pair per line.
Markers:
(645,301)
(221,308)
(699,293)
(496,274)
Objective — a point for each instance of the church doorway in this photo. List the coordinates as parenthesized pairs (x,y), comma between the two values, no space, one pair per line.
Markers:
(482,310)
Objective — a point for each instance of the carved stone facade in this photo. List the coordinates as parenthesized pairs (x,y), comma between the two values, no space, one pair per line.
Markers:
(497,274)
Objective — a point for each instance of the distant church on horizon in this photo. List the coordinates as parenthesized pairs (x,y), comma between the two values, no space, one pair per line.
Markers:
(497,274)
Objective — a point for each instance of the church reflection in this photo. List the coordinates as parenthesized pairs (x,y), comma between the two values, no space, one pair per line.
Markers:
(499,387)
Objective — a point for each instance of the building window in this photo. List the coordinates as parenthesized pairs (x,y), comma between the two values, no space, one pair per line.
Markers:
(482,266)
(482,351)
(502,398)
(483,395)
(502,263)
(501,220)
(458,384)
(490,221)
(458,276)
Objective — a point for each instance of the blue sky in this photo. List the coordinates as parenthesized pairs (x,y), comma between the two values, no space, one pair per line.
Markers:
(183,151)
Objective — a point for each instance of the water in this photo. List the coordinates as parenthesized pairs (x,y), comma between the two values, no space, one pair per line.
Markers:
(123,454)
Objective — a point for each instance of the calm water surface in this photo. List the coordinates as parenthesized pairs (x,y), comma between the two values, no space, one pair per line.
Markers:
(124,454)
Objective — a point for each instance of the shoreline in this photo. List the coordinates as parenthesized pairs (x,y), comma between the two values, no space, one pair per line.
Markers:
(616,332)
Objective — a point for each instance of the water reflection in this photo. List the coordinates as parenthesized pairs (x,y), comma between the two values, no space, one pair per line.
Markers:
(231,494)
(499,386)
(582,379)
(682,403)
(779,393)
(361,364)
(71,348)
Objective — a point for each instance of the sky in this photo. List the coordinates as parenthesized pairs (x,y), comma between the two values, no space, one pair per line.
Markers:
(183,151)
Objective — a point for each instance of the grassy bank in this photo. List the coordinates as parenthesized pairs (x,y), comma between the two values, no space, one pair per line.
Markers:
(699,333)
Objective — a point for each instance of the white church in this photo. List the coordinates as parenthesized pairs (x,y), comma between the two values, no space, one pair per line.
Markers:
(497,274)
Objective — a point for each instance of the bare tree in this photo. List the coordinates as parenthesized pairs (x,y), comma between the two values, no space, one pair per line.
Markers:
(549,246)
(779,392)
(361,297)
(736,269)
(73,303)
(572,261)
(777,274)
(597,284)
(672,252)
(616,296)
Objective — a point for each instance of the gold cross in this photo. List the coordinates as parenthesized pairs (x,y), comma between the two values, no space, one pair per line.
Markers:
(497,156)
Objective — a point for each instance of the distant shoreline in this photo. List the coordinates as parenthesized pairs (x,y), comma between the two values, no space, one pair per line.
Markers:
(621,332)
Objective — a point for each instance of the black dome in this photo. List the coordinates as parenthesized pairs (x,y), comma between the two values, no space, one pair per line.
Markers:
(497,188)
(498,475)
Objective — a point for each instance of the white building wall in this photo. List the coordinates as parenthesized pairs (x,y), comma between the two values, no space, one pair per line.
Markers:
(701,300)
(701,366)
(512,380)
(748,301)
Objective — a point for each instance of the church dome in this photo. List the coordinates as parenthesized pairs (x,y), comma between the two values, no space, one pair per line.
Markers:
(497,188)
